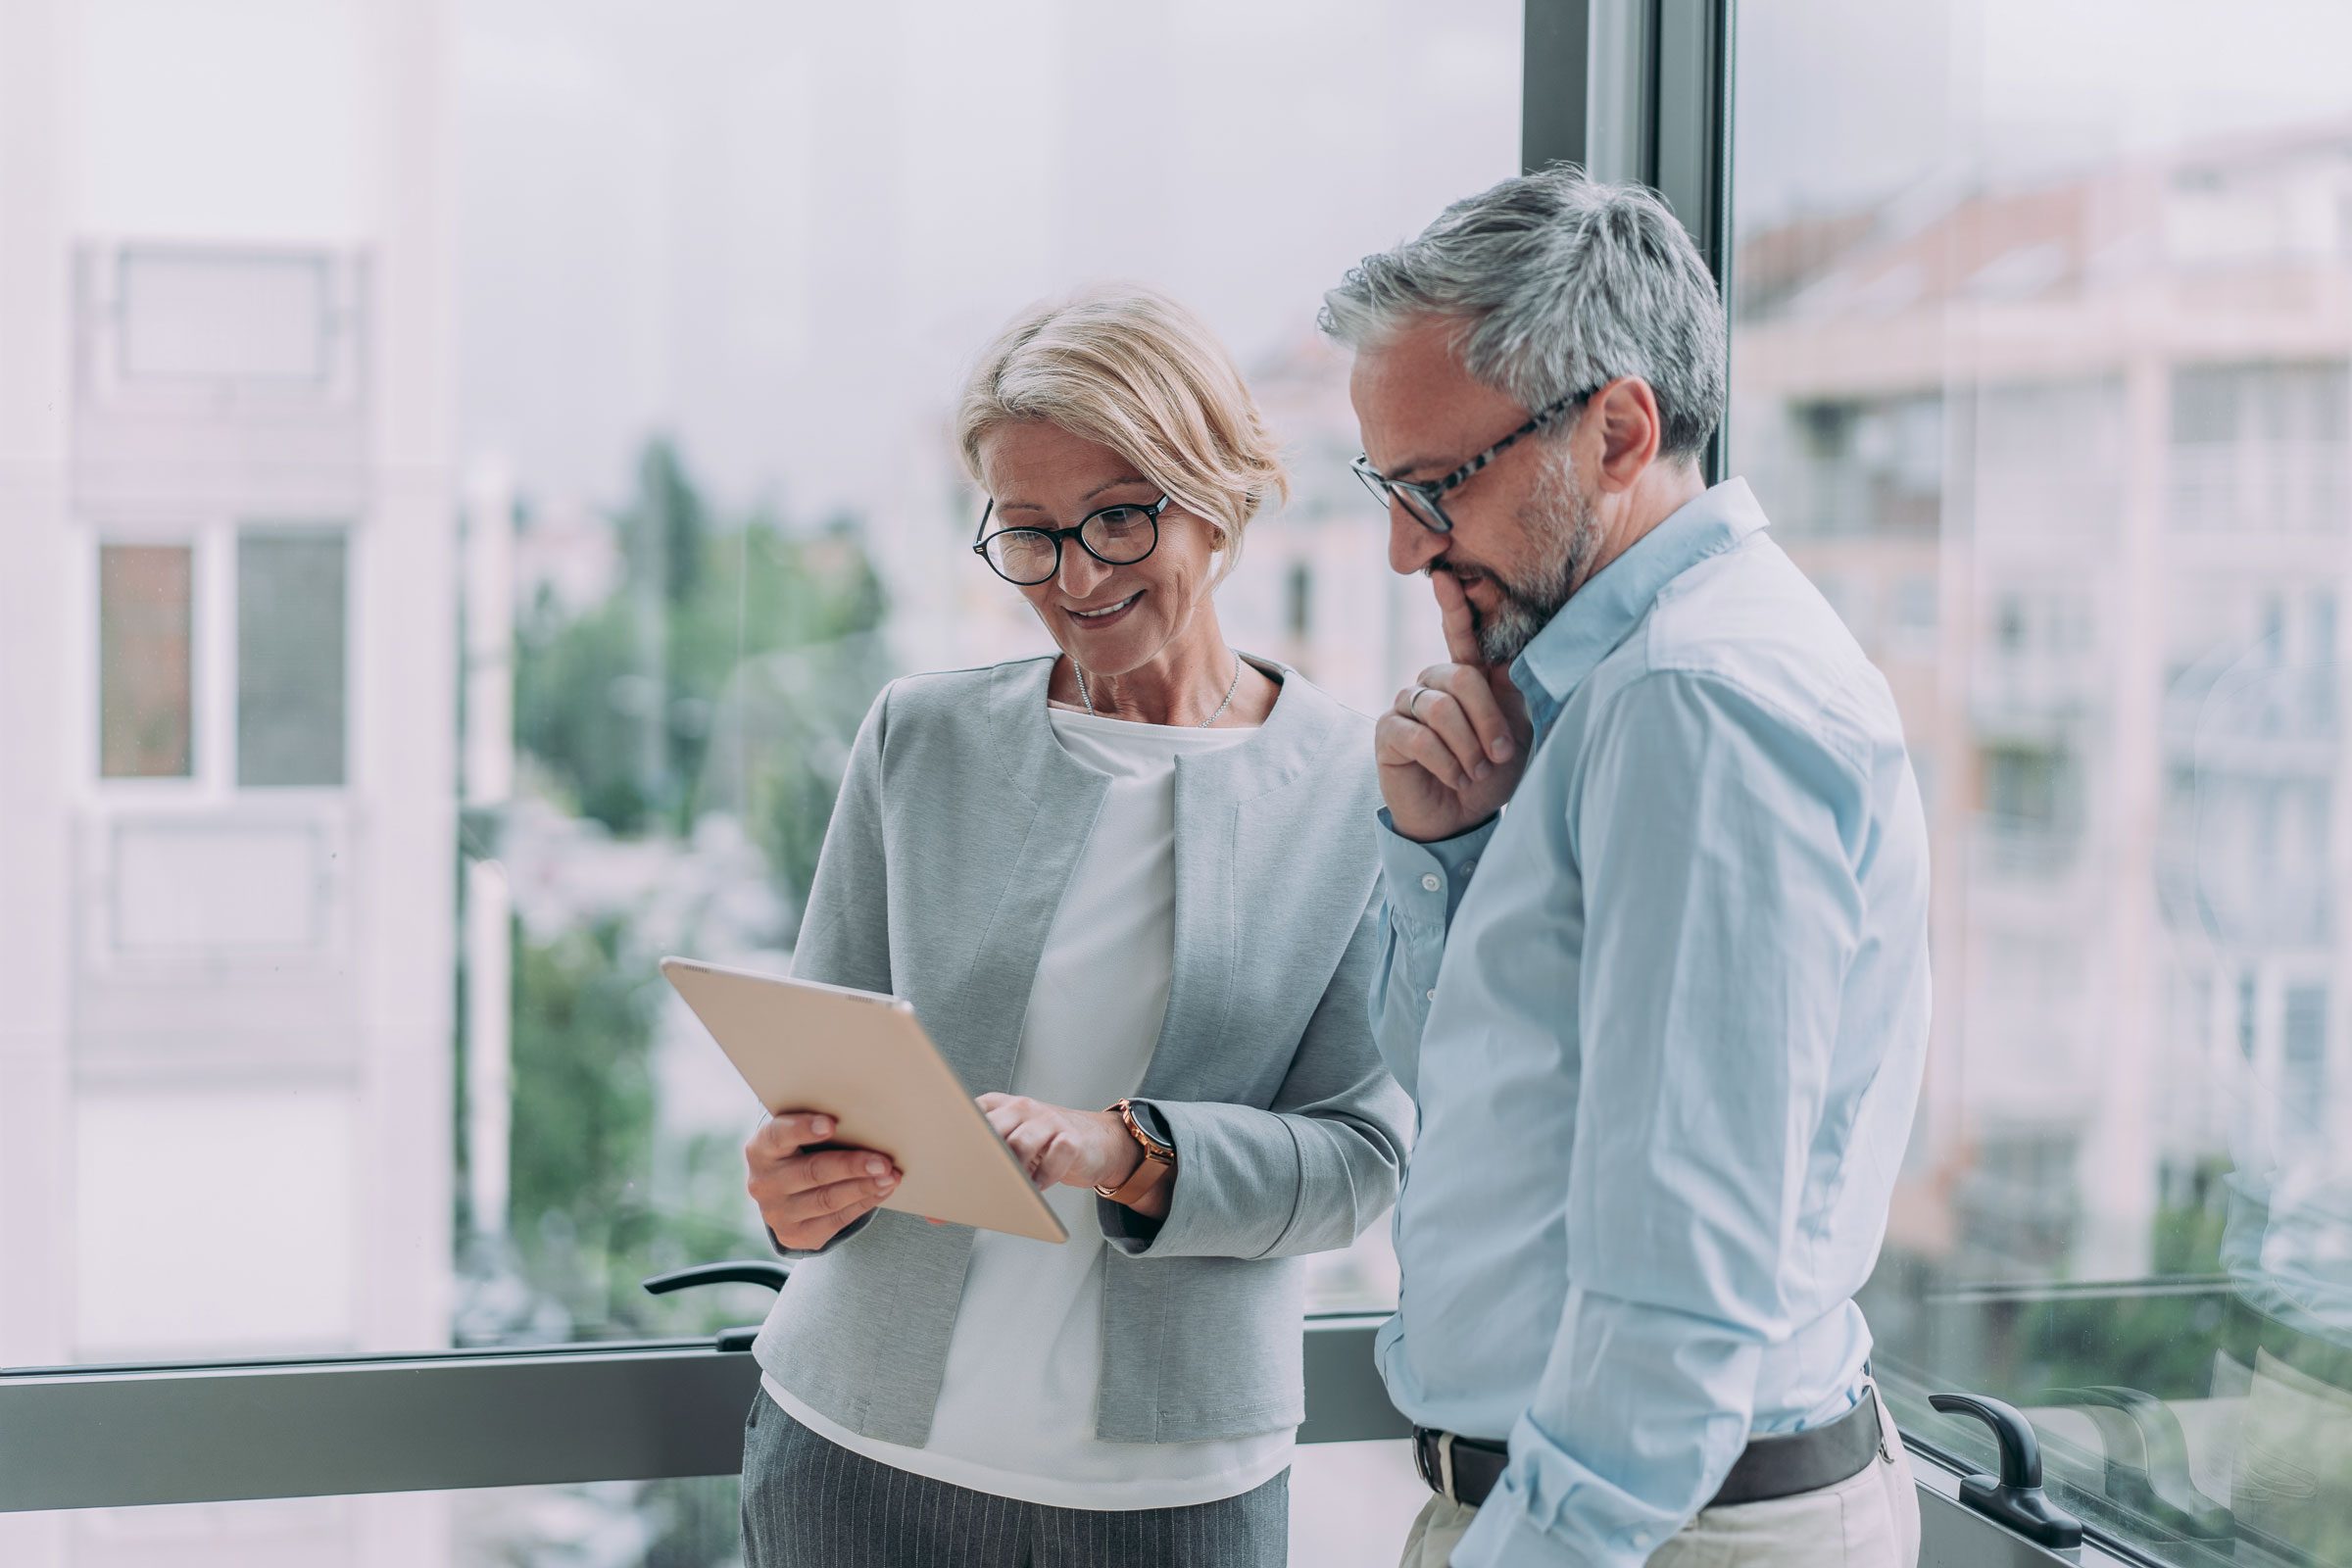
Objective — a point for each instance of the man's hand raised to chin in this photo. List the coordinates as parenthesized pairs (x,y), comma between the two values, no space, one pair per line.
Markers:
(1451,750)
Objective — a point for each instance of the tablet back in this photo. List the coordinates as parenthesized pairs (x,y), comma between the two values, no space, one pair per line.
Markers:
(866,1060)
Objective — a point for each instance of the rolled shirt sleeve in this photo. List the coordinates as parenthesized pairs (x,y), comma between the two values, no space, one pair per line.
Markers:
(1714,832)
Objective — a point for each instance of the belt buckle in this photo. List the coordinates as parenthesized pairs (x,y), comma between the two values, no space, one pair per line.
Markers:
(1433,1459)
(1878,1416)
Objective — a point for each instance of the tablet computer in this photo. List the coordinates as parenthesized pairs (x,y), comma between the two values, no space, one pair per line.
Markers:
(865,1060)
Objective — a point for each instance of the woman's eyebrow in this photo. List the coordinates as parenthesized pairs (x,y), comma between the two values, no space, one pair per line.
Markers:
(1113,484)
(1107,484)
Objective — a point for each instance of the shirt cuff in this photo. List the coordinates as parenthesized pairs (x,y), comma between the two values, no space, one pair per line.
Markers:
(1425,882)
(1130,1231)
(794,1253)
(1504,1537)
(1509,1531)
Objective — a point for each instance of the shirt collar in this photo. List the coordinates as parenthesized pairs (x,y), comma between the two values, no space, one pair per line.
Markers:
(1598,616)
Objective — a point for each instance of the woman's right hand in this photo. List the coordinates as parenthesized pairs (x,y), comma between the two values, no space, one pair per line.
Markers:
(808,1199)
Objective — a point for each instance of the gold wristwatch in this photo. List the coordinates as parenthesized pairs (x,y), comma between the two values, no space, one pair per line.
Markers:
(1159,1160)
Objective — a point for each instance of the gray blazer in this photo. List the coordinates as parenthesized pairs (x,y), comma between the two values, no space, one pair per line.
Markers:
(958,828)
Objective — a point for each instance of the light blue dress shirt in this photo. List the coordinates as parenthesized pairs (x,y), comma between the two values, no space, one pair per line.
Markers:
(1665,1020)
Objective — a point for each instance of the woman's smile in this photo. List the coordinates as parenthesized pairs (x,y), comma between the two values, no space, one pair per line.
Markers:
(1107,614)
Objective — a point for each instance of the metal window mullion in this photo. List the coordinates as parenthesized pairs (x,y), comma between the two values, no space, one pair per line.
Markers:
(497,1418)
(1656,94)
(504,1418)
(1692,143)
(1621,131)
(1690,135)
(1640,91)
(1555,83)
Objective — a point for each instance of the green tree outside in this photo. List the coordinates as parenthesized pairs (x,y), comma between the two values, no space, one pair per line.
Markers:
(620,706)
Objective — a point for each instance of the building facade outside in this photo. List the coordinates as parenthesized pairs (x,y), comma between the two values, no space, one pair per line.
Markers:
(227,682)
(2073,459)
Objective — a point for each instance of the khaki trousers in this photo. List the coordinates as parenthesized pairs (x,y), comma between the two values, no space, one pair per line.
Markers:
(1870,1520)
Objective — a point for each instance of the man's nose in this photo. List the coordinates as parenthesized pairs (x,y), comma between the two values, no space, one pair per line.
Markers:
(1411,547)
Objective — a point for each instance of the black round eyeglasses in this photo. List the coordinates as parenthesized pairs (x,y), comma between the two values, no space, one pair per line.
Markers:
(1116,536)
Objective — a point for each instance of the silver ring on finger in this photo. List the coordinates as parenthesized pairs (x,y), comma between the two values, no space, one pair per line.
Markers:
(1412,709)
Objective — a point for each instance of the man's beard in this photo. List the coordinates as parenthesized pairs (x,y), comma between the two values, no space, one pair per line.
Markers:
(1563,531)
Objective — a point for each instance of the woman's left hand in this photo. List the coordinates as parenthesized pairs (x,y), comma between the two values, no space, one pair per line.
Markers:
(1061,1146)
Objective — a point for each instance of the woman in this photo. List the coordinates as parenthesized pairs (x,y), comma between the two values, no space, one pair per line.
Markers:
(1137,874)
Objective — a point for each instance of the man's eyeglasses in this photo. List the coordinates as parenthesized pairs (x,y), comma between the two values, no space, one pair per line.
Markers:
(1116,536)
(1422,497)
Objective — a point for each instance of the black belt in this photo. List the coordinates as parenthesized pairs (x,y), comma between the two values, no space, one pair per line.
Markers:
(1780,1464)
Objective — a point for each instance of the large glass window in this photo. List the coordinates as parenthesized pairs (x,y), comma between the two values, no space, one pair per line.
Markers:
(543,408)
(727,511)
(2039,320)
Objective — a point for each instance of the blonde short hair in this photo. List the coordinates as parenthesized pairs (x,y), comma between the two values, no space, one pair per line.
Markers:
(1131,369)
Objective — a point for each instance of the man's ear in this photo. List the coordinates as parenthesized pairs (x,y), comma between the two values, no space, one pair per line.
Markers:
(1624,413)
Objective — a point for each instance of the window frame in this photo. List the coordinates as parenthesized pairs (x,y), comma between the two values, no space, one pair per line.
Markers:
(334,390)
(212,541)
(104,1436)
(336,1426)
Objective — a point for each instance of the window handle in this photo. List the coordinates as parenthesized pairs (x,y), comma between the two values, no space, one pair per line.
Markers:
(2147,1462)
(2015,1497)
(741,1271)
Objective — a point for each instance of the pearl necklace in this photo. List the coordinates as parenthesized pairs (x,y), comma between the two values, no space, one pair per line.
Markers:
(1088,698)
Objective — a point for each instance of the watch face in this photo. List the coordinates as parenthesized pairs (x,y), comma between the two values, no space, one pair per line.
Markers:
(1154,1149)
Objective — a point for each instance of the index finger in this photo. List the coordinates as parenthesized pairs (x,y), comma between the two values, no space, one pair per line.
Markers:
(789,1132)
(1462,624)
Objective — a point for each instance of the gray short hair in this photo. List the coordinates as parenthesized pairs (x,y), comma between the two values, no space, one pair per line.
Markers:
(1562,285)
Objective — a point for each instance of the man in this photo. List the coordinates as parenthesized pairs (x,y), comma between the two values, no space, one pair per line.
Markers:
(1665,1014)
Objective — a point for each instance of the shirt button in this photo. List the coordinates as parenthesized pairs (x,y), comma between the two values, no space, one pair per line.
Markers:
(1470,865)
(1428,880)
(1429,996)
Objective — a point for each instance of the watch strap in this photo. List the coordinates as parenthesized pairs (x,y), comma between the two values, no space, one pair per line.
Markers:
(1157,1166)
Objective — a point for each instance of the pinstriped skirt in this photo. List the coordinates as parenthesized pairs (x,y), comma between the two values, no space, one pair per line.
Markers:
(808,1502)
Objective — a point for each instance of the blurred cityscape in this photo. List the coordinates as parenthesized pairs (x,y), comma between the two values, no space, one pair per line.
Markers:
(2063,458)
(384,684)
(2074,460)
